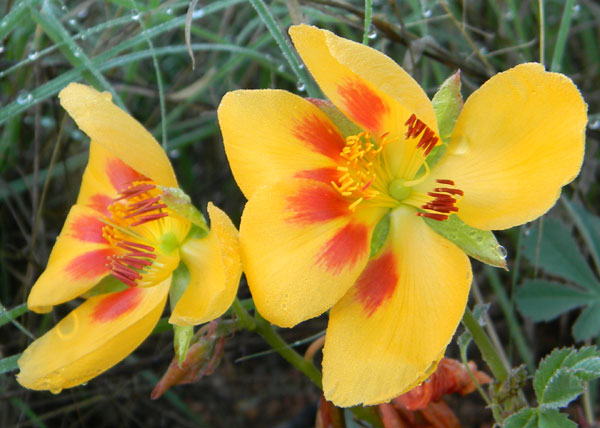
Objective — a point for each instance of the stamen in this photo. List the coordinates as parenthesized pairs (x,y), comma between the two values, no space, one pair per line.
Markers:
(148,218)
(443,201)
(414,128)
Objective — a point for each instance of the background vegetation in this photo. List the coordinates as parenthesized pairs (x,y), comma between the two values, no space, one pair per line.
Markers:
(137,51)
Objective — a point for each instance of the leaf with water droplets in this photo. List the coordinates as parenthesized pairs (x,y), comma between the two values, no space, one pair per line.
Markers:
(479,244)
(447,104)
(181,203)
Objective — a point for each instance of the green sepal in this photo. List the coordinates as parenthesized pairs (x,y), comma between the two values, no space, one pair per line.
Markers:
(380,234)
(181,341)
(479,244)
(342,123)
(182,334)
(108,284)
(181,203)
(447,104)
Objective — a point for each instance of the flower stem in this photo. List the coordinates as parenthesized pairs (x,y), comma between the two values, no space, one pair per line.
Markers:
(488,352)
(266,330)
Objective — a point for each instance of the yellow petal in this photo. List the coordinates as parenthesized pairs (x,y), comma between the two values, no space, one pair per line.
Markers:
(270,135)
(369,87)
(215,269)
(92,338)
(392,327)
(77,262)
(117,131)
(517,141)
(302,248)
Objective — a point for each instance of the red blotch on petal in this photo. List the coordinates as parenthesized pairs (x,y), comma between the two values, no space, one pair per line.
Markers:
(116,304)
(89,265)
(120,174)
(324,175)
(363,105)
(377,282)
(313,204)
(87,228)
(320,135)
(100,203)
(345,248)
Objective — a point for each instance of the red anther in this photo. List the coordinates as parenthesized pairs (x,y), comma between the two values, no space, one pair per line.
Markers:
(135,191)
(444,181)
(126,271)
(148,218)
(137,245)
(124,279)
(368,184)
(415,126)
(143,203)
(438,217)
(145,210)
(428,141)
(451,191)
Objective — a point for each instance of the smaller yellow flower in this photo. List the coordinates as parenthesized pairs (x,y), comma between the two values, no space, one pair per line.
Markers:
(121,226)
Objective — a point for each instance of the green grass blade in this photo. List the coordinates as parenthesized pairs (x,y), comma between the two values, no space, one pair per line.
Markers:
(367,26)
(15,16)
(10,315)
(9,364)
(561,38)
(286,49)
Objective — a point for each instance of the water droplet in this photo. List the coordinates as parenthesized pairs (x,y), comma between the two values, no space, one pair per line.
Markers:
(594,124)
(135,15)
(427,13)
(1,48)
(3,24)
(175,153)
(576,10)
(199,13)
(502,251)
(47,122)
(300,86)
(72,22)
(281,68)
(24,97)
(33,56)
(82,13)
(372,33)
(63,8)
(169,11)
(483,50)
(77,53)
(301,66)
(462,146)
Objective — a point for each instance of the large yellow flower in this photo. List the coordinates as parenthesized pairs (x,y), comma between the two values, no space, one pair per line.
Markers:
(315,193)
(121,226)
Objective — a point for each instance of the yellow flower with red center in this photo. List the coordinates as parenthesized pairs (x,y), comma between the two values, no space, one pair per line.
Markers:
(122,228)
(317,187)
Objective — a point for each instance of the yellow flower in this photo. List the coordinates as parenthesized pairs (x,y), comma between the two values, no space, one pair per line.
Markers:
(315,193)
(120,226)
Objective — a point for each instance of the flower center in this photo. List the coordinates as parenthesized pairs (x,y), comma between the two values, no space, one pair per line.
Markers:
(145,236)
(363,172)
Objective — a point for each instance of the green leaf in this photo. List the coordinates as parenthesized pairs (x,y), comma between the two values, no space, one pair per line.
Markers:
(547,368)
(380,234)
(14,313)
(179,283)
(558,254)
(560,375)
(584,363)
(526,418)
(447,104)
(562,388)
(544,300)
(588,323)
(9,364)
(588,225)
(479,244)
(550,418)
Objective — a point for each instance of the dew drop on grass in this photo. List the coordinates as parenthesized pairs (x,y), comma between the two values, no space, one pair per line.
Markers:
(169,11)
(372,33)
(300,86)
(135,16)
(1,48)
(72,21)
(199,13)
(301,66)
(33,56)
(427,13)
(24,97)
(281,68)
(595,124)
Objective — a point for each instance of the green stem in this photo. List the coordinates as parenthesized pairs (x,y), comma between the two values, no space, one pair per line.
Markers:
(488,352)
(367,28)
(266,330)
